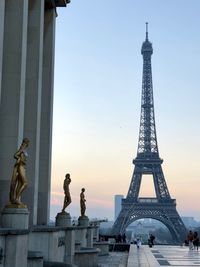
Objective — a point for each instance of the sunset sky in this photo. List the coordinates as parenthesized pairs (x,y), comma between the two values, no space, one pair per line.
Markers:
(98,81)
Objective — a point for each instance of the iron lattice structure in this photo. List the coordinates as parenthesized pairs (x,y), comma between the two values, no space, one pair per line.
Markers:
(148,161)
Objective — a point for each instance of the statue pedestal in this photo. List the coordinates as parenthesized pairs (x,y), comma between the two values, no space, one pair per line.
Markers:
(63,219)
(17,218)
(83,221)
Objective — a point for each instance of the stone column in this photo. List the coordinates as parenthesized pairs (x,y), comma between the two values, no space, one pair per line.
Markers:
(46,118)
(81,235)
(96,231)
(33,94)
(12,89)
(90,234)
(2,13)
(69,246)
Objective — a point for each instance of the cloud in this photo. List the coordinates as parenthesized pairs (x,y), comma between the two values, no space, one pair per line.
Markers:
(57,193)
(56,201)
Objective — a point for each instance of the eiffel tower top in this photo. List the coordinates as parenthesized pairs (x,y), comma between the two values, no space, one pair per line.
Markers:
(147,46)
(147,144)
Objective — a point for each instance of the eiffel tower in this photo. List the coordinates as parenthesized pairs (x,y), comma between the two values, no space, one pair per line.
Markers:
(148,161)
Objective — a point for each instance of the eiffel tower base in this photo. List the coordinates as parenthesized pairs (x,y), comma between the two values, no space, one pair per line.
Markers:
(165,212)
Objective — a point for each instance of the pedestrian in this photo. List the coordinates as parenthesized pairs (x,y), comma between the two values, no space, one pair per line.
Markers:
(196,240)
(190,238)
(138,242)
(124,238)
(149,243)
(151,240)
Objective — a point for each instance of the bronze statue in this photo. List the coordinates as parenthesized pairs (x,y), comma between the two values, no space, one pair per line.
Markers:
(82,202)
(67,199)
(19,181)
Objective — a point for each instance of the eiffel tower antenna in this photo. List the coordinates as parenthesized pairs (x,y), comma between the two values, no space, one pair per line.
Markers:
(146,31)
(148,161)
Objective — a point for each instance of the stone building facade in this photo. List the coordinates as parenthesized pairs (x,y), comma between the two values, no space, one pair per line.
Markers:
(27,44)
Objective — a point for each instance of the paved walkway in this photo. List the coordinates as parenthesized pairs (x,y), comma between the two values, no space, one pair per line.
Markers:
(158,256)
(114,259)
(162,256)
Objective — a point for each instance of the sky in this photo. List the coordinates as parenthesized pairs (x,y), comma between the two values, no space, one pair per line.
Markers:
(97,97)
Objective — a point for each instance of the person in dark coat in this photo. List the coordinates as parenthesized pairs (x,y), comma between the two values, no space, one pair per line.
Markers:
(151,240)
(196,240)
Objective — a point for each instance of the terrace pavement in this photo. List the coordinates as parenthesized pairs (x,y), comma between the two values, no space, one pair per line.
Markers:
(162,256)
(158,256)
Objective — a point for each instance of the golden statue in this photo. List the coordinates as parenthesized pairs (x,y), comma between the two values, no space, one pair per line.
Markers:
(19,181)
(82,202)
(67,199)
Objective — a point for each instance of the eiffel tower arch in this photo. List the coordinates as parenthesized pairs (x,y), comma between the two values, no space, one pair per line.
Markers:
(162,207)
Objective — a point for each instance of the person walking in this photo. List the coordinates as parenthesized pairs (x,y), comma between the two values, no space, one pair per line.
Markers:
(151,240)
(138,242)
(190,238)
(196,240)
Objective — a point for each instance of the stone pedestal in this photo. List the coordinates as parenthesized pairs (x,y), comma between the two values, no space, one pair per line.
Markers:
(17,218)
(83,221)
(63,219)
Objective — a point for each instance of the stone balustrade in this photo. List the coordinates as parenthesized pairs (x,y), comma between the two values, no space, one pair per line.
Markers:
(42,244)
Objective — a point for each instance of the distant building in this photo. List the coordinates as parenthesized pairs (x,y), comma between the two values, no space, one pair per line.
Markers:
(118,200)
(144,226)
